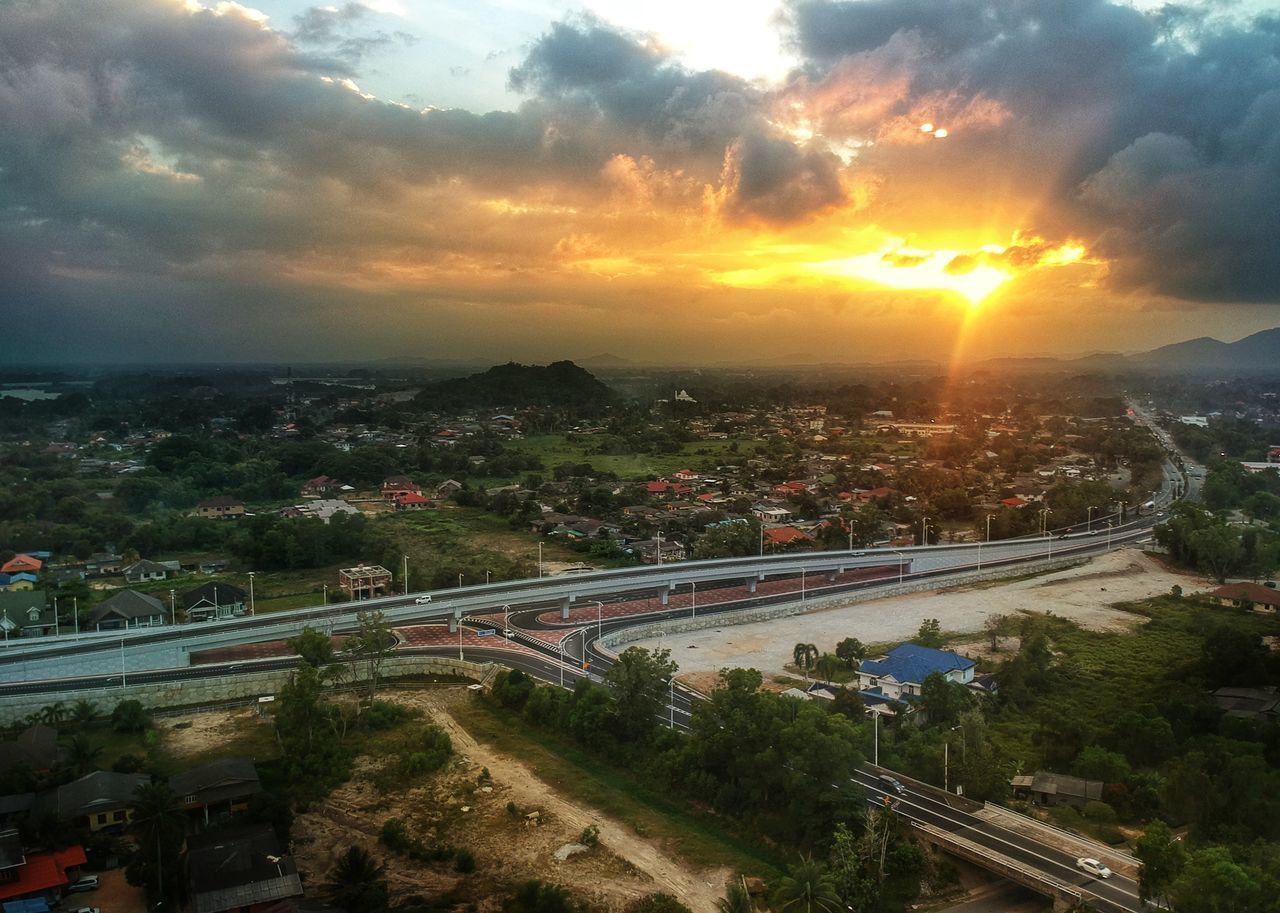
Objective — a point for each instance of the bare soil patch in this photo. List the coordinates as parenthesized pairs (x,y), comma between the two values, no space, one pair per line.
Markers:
(1086,595)
(459,807)
(188,736)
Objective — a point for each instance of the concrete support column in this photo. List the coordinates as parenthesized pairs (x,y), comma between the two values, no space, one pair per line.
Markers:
(751,584)
(453,621)
(565,603)
(664,594)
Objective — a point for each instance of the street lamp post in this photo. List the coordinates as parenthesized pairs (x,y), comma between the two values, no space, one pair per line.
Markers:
(506,621)
(173,607)
(459,581)
(123,674)
(460,637)
(673,702)
(486,576)
(694,590)
(1108,535)
(1090,519)
(404,578)
(599,619)
(875,728)
(901,561)
(324,588)
(659,548)
(802,584)
(924,530)
(539,560)
(989,519)
(253,605)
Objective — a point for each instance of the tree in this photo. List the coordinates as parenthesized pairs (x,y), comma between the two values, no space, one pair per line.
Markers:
(538,897)
(943,700)
(84,711)
(357,883)
(828,665)
(993,625)
(54,713)
(639,683)
(736,899)
(657,903)
(82,754)
(158,827)
(1212,882)
(806,888)
(851,652)
(315,648)
(130,716)
(929,634)
(371,644)
(805,656)
(1162,859)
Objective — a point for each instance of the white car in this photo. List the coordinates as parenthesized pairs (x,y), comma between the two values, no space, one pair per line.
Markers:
(86,910)
(1093,867)
(422,600)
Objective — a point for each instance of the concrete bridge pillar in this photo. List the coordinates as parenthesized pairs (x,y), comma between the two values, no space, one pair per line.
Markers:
(565,603)
(664,594)
(751,584)
(453,621)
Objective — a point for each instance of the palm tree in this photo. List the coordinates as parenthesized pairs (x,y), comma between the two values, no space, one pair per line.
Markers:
(83,711)
(82,754)
(157,822)
(805,655)
(828,665)
(357,883)
(736,899)
(54,714)
(806,888)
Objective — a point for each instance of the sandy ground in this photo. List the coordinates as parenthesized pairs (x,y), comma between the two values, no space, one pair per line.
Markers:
(1084,594)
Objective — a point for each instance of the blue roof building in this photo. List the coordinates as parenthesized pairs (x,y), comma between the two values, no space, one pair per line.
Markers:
(900,675)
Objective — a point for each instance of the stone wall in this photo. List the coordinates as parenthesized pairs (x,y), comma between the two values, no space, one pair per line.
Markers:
(216,689)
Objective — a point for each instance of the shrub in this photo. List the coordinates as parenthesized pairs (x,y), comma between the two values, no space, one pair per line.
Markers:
(1100,812)
(382,715)
(464,861)
(590,836)
(128,764)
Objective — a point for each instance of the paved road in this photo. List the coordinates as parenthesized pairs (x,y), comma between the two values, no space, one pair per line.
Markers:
(1116,893)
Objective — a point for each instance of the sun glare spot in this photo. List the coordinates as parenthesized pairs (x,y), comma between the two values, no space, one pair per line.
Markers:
(909,268)
(941,133)
(926,128)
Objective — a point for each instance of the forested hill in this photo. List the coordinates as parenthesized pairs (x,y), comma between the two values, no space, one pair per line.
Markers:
(561,383)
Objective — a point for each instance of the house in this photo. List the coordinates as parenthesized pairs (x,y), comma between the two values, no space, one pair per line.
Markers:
(1247,596)
(770,513)
(96,801)
(655,551)
(783,536)
(13,583)
(448,488)
(35,747)
(127,609)
(1046,788)
(395,486)
(103,564)
(222,507)
(320,486)
(240,869)
(22,564)
(413,500)
(1258,704)
(323,509)
(875,494)
(37,875)
(686,475)
(1014,502)
(145,571)
(900,675)
(365,581)
(26,613)
(213,601)
(218,789)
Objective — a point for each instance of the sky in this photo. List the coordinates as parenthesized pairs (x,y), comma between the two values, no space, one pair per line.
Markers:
(694,183)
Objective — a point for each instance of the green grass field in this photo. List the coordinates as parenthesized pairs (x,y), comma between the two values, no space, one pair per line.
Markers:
(554,449)
(701,838)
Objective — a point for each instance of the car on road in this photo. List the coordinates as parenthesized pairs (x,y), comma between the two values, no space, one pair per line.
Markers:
(87,883)
(86,910)
(1093,867)
(888,783)
(422,600)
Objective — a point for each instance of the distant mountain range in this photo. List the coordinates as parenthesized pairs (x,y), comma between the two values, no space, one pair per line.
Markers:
(1256,354)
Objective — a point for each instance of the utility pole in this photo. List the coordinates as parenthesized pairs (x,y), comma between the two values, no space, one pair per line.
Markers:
(404,578)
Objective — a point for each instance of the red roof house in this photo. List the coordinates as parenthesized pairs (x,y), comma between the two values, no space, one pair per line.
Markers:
(43,872)
(1014,502)
(19,564)
(412,500)
(784,535)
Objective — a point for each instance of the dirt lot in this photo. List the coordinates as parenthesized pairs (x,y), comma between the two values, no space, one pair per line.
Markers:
(456,808)
(1084,594)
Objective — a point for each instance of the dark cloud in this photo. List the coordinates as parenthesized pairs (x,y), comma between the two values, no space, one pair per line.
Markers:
(773,180)
(1151,135)
(335,28)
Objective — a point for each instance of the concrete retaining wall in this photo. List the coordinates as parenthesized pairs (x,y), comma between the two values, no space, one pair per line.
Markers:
(814,604)
(223,688)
